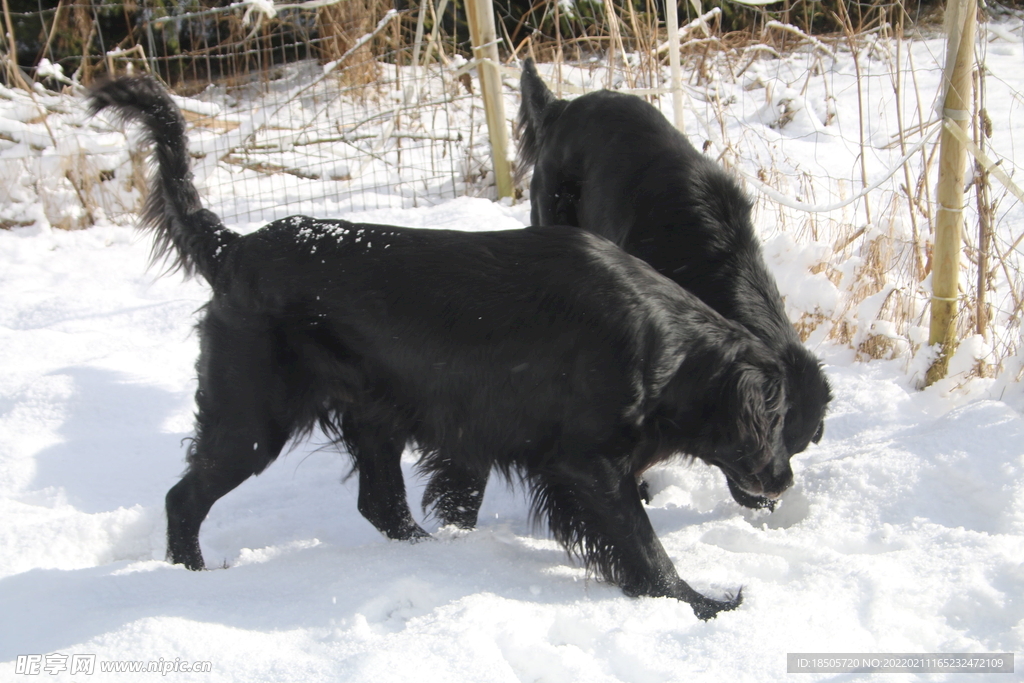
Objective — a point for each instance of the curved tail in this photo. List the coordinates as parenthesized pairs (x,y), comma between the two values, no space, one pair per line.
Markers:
(191,237)
(536,103)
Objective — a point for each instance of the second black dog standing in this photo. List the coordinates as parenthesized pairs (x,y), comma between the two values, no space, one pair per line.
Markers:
(611,163)
(548,354)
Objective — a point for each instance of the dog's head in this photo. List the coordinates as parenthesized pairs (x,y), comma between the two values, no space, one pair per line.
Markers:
(808,394)
(746,429)
(731,414)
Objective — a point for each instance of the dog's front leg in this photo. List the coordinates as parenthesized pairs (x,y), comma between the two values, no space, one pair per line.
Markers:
(596,512)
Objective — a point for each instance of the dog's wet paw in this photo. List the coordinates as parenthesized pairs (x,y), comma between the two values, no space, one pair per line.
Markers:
(706,608)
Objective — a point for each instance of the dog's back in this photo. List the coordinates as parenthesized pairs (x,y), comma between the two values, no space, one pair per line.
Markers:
(637,181)
(613,164)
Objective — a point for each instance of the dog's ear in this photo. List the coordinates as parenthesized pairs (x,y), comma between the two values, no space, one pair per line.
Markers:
(728,406)
(535,93)
(752,405)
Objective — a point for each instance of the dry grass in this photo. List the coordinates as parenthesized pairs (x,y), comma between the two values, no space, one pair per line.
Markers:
(340,26)
(875,253)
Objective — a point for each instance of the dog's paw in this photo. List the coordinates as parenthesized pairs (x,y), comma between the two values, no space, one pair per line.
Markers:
(192,559)
(417,534)
(706,608)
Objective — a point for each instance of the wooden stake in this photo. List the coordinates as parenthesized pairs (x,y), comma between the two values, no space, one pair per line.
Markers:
(672,21)
(960,20)
(485,51)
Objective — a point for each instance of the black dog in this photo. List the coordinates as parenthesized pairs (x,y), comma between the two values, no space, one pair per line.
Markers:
(612,164)
(548,354)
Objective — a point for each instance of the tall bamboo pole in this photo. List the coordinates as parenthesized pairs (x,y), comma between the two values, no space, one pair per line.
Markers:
(960,20)
(675,72)
(485,49)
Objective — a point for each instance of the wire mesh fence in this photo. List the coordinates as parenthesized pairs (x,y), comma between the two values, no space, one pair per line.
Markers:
(308,107)
(825,109)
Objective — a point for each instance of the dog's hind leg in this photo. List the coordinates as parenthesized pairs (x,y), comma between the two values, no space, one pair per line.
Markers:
(596,512)
(376,447)
(241,426)
(455,493)
(189,501)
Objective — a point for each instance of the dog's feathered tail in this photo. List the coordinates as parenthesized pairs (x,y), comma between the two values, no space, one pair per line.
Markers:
(192,238)
(537,104)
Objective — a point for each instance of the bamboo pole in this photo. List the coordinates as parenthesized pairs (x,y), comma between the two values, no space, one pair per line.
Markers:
(676,73)
(960,20)
(485,51)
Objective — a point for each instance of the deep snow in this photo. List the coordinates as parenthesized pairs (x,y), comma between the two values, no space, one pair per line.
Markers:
(903,533)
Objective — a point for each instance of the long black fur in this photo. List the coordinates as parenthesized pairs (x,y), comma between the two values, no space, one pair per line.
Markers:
(193,237)
(548,354)
(612,164)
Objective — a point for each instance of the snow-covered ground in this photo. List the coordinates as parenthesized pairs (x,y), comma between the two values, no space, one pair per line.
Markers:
(904,531)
